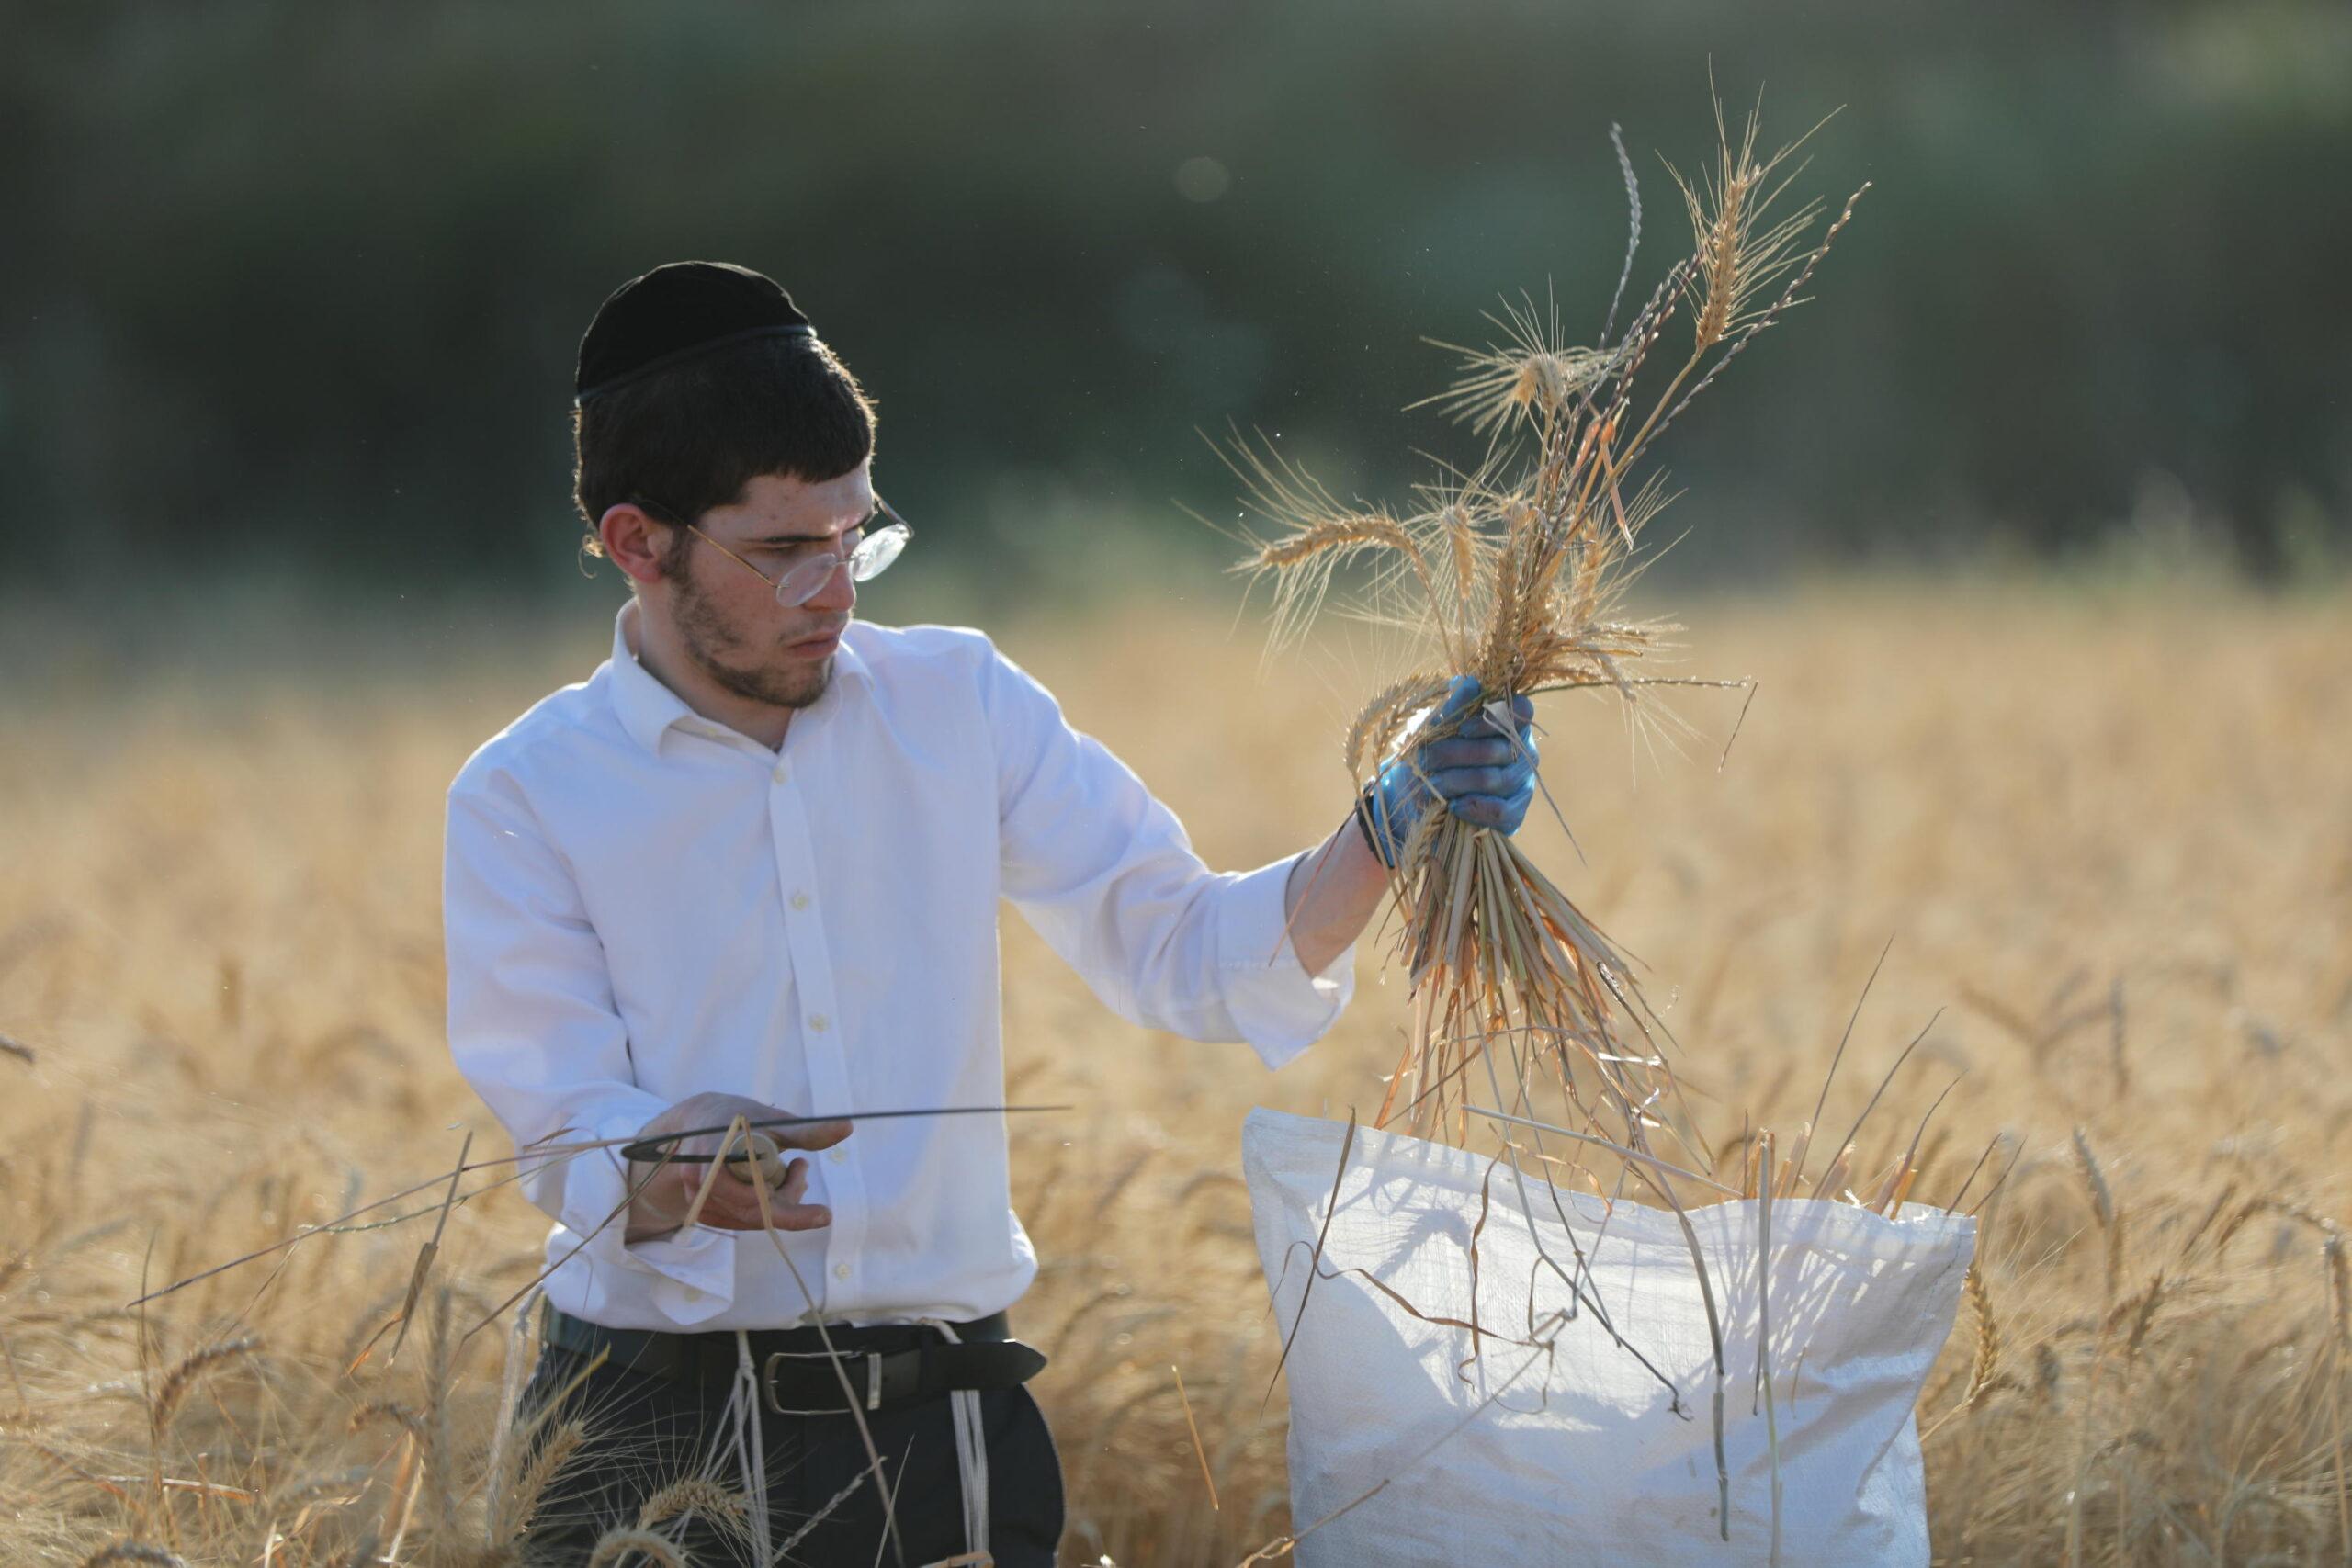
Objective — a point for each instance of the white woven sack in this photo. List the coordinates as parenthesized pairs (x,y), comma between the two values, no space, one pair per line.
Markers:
(1579,1454)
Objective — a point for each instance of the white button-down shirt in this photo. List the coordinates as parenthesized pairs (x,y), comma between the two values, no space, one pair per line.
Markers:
(641,904)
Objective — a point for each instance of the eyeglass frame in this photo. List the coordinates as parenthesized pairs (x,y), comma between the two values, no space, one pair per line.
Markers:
(881,507)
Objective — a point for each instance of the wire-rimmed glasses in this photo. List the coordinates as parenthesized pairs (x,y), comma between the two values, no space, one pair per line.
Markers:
(805,578)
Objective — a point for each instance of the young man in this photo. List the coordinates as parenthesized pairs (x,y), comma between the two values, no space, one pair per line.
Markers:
(751,867)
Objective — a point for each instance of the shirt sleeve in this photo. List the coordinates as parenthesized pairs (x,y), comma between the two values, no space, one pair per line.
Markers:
(534,1029)
(1105,874)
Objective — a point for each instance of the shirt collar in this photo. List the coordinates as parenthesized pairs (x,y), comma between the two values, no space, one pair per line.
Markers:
(647,708)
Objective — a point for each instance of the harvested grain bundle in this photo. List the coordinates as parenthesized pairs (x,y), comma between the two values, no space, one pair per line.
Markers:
(1514,574)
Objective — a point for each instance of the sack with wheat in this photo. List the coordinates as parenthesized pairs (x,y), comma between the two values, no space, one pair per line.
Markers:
(1484,1374)
(1489,1353)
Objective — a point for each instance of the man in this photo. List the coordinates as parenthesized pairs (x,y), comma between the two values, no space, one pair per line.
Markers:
(750,868)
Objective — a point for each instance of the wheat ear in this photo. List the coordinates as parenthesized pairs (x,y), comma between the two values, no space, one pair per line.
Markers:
(614,1545)
(193,1369)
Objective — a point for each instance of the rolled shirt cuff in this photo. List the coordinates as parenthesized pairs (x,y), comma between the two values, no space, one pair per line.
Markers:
(692,1270)
(1276,1004)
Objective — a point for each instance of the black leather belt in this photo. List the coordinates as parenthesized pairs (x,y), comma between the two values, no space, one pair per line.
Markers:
(885,1366)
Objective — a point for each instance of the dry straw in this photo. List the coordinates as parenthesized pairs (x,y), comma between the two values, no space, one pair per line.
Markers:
(1514,573)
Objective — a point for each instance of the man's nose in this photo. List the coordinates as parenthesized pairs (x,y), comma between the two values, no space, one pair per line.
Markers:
(838,595)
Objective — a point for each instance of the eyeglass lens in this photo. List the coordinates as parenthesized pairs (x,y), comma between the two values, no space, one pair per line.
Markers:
(872,554)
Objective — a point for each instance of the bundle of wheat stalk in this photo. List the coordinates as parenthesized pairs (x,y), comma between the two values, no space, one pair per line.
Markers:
(1514,571)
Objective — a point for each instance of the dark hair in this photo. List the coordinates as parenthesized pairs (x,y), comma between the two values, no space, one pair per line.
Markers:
(691,437)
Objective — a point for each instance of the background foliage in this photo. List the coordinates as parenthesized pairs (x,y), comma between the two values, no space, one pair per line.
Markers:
(302,284)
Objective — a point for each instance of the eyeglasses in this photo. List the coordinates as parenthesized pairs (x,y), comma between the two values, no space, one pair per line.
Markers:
(803,580)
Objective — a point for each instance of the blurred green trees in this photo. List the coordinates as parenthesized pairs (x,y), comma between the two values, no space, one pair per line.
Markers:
(304,281)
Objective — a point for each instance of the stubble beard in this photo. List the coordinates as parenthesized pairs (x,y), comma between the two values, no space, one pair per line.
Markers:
(707,639)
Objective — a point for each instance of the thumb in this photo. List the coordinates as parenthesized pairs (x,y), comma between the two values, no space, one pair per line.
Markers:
(811,1135)
(1459,695)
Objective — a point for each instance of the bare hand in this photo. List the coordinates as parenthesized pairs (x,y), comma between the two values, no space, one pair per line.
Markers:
(661,1203)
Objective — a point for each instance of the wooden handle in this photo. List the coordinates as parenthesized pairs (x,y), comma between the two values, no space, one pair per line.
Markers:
(755,1148)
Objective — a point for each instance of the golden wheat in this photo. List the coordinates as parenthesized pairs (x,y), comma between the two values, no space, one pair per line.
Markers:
(1506,972)
(614,1548)
(1917,762)
(194,1368)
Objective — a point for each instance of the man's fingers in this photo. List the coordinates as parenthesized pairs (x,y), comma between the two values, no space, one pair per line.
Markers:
(734,1205)
(1478,810)
(788,1217)
(1467,752)
(810,1135)
(731,1203)
(1492,811)
(787,1183)
(725,1188)
(1455,783)
(1519,741)
(681,1180)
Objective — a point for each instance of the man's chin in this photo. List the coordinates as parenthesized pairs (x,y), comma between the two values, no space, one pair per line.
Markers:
(804,684)
(798,685)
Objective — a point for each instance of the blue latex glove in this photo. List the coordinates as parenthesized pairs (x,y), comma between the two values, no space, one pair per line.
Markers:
(1481,775)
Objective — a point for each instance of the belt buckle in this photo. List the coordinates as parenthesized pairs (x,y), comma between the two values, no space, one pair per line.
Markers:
(873,1380)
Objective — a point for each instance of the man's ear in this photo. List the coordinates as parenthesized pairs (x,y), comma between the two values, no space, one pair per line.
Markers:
(634,541)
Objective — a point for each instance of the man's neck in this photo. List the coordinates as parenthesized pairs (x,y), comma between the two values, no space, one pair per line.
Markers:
(655,643)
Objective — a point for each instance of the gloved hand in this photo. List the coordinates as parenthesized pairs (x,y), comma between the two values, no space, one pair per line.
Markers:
(1481,775)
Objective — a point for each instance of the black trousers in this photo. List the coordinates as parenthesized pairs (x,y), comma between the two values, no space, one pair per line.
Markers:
(645,1433)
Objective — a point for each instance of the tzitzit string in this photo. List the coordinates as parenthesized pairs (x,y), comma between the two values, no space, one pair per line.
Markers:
(751,1453)
(971,1454)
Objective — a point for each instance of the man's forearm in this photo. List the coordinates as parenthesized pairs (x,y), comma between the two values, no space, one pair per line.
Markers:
(1331,896)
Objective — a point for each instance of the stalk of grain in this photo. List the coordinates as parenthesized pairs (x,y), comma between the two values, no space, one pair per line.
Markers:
(1985,1368)
(2103,1205)
(537,1472)
(699,1497)
(615,1546)
(193,1369)
(2111,1222)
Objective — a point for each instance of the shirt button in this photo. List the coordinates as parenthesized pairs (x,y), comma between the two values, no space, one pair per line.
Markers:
(817,1021)
(799,899)
(841,1270)
(779,772)
(694,1294)
(835,1154)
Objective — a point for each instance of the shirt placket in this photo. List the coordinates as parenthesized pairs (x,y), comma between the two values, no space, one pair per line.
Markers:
(821,1028)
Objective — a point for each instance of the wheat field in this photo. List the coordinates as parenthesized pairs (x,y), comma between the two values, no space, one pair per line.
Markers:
(2109,835)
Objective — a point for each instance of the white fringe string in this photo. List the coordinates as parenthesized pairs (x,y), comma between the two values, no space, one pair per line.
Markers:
(971,1455)
(751,1449)
(742,1415)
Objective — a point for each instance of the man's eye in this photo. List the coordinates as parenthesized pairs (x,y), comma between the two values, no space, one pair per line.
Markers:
(787,556)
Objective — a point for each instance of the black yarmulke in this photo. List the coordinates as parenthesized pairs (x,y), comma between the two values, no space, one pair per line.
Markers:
(678,311)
